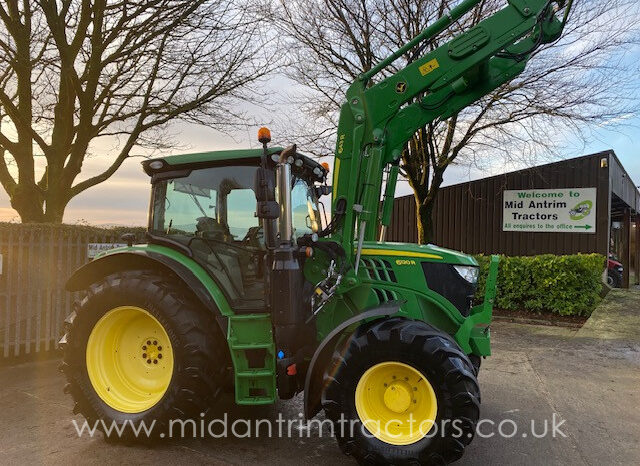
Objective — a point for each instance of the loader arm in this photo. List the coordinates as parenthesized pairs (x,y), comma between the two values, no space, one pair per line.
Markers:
(379,118)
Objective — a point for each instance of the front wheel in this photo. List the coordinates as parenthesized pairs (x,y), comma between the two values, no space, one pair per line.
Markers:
(402,392)
(140,351)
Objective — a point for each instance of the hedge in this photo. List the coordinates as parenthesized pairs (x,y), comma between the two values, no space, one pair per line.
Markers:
(112,233)
(564,285)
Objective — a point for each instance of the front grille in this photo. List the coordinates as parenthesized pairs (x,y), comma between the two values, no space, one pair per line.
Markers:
(444,280)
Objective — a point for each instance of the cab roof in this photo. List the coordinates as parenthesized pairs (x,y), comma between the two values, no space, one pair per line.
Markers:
(215,156)
(203,159)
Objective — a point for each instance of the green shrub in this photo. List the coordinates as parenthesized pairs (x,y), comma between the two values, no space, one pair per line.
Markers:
(564,285)
(90,232)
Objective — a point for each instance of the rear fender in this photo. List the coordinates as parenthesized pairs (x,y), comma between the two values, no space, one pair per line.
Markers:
(162,259)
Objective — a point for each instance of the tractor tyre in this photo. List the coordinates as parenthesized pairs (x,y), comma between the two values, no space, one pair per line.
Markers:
(141,349)
(401,392)
(476,361)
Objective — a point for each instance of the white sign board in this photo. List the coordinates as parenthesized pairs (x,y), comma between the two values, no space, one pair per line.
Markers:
(571,210)
(93,249)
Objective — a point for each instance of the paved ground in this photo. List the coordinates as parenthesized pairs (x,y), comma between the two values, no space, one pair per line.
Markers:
(589,379)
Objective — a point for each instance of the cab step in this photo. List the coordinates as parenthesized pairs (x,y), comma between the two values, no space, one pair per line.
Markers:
(250,339)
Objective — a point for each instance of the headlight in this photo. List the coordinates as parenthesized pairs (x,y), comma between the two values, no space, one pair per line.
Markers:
(619,268)
(468,272)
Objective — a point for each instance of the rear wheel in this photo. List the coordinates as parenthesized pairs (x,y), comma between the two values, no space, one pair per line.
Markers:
(139,349)
(402,392)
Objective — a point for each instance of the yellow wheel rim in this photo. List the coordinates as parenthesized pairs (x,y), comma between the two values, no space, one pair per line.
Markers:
(396,403)
(129,359)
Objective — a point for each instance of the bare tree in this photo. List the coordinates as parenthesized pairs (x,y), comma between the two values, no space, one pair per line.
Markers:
(582,80)
(74,71)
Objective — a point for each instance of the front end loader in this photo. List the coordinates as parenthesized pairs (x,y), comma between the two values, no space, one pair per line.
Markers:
(245,284)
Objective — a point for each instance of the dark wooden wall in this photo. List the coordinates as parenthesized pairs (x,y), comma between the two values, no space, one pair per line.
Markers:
(468,216)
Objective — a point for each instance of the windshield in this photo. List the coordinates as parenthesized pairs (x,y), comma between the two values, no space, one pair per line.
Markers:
(304,207)
(212,211)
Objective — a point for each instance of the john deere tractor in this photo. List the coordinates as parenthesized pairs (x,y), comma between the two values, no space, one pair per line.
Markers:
(247,284)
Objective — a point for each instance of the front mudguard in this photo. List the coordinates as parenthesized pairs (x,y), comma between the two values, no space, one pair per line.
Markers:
(313,385)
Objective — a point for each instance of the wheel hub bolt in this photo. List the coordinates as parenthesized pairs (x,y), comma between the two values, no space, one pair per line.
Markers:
(151,352)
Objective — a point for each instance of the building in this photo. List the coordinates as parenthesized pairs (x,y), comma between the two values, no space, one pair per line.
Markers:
(582,205)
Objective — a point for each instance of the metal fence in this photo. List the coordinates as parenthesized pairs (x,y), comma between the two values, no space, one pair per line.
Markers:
(36,260)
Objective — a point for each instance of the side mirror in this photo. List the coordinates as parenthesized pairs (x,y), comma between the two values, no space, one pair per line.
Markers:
(264,188)
(269,210)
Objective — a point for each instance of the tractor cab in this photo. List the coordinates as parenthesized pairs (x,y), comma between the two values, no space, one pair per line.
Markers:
(207,203)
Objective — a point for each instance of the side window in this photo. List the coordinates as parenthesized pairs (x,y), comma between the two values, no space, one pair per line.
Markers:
(241,212)
(184,204)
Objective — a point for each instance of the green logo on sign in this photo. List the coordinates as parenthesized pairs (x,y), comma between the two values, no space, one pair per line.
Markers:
(581,210)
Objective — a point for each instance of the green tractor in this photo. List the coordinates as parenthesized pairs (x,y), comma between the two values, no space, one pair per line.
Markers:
(245,285)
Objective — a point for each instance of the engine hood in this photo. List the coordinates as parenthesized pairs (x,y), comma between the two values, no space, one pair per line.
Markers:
(423,252)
